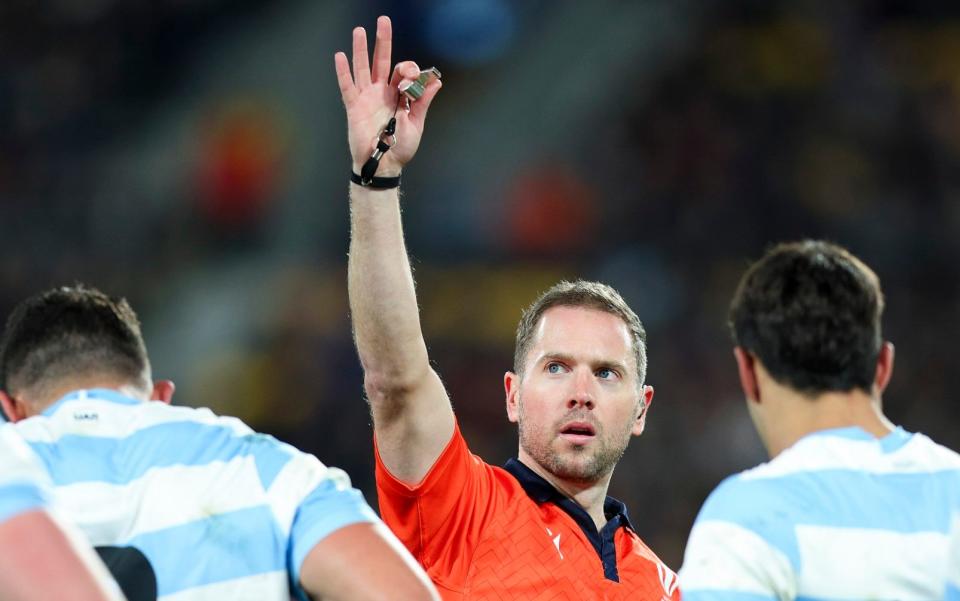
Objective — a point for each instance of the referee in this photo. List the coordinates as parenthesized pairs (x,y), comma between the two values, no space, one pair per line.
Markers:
(542,527)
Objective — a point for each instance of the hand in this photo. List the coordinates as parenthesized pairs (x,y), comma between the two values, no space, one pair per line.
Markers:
(371,96)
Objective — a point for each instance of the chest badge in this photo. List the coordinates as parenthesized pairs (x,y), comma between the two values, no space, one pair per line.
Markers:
(556,541)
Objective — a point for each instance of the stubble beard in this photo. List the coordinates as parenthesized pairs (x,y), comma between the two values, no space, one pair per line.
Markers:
(583,464)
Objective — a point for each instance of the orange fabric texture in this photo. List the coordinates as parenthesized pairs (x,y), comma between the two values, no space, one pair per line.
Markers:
(481,537)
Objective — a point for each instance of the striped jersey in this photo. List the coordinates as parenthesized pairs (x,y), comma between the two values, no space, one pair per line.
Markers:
(839,515)
(23,481)
(953,563)
(220,511)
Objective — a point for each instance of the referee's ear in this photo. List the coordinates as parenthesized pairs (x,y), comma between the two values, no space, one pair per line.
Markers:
(163,391)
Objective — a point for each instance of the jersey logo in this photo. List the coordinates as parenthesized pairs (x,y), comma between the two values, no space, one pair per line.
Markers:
(668,580)
(556,541)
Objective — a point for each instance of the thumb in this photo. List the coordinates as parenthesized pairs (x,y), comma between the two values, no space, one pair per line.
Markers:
(419,107)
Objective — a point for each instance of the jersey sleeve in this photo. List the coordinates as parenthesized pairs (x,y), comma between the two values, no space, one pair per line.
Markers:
(24,484)
(441,518)
(731,557)
(308,499)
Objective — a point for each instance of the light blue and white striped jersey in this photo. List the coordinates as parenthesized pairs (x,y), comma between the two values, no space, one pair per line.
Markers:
(220,511)
(839,515)
(953,569)
(23,481)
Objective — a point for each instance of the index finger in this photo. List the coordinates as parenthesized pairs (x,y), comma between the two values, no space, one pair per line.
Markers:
(348,91)
(382,49)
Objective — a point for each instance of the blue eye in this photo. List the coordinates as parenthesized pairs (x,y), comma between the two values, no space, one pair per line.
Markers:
(605,373)
(553,368)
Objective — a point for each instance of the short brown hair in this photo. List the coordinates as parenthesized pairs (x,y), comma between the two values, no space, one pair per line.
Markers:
(590,295)
(71,331)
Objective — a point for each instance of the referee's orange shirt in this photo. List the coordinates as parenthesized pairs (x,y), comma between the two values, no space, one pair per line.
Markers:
(489,533)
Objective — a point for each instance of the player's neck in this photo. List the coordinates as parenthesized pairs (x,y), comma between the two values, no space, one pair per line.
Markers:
(588,495)
(794,416)
(50,394)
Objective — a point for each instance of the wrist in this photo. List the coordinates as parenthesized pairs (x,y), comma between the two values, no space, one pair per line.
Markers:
(375,183)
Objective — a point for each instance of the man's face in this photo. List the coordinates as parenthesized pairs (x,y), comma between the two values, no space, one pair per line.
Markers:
(579,400)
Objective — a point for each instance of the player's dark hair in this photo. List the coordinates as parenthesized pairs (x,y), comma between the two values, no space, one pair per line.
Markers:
(580,293)
(810,311)
(69,332)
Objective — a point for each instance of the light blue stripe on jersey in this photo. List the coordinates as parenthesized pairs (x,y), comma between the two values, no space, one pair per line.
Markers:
(80,458)
(953,593)
(18,497)
(773,507)
(327,508)
(235,544)
(723,595)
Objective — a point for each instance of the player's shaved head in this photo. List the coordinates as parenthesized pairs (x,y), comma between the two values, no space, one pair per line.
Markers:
(68,333)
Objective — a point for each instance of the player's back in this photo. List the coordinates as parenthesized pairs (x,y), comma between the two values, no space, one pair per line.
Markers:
(840,515)
(210,503)
(22,478)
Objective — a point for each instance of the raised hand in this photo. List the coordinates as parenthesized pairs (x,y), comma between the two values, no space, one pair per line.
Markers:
(371,96)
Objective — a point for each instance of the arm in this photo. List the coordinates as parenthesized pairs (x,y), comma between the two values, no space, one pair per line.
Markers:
(364,562)
(40,562)
(412,417)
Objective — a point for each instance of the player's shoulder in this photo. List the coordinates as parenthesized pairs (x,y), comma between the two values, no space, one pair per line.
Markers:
(12,445)
(932,455)
(752,497)
(17,460)
(154,412)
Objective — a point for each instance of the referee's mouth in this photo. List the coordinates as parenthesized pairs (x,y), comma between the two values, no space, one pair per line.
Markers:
(578,432)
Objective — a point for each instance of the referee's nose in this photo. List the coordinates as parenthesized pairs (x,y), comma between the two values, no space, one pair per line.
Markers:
(582,393)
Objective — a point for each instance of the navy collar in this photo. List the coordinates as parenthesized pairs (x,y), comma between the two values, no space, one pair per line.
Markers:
(615,511)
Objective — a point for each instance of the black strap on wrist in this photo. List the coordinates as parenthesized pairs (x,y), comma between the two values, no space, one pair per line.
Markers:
(376,183)
(385,140)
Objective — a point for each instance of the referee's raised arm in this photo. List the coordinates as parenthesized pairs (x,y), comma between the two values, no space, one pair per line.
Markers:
(413,420)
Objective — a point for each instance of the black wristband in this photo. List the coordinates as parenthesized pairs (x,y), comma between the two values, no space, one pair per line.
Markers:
(376,183)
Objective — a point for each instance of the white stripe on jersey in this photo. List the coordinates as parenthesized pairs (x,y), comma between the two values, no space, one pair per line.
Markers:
(223,486)
(18,464)
(953,561)
(727,556)
(823,452)
(103,418)
(298,477)
(851,563)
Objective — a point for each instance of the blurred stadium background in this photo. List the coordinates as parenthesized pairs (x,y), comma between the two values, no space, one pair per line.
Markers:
(191,155)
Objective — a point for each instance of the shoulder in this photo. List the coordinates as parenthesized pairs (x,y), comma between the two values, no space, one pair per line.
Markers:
(457,472)
(20,468)
(749,497)
(743,539)
(932,456)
